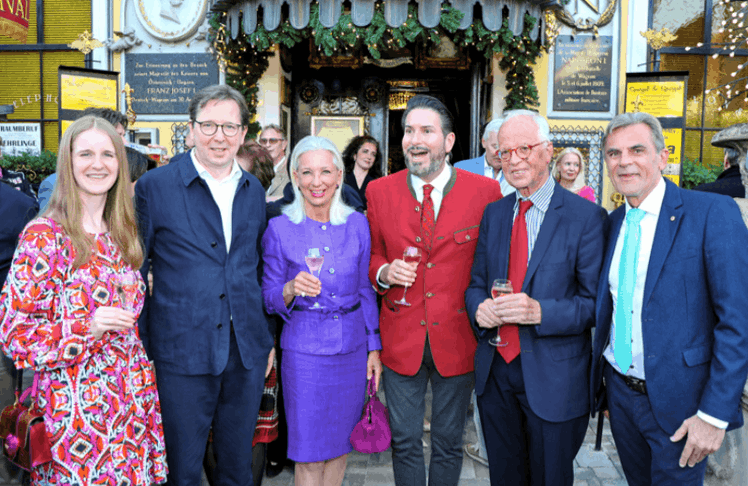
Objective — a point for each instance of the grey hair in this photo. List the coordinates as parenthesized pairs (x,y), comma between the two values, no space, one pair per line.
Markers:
(339,211)
(273,126)
(627,119)
(555,173)
(544,131)
(492,127)
(218,92)
(733,157)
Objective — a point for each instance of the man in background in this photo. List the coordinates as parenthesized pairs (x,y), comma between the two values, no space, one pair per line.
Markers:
(489,164)
(274,140)
(728,182)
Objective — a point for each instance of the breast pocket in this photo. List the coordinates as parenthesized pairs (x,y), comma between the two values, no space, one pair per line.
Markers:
(466,235)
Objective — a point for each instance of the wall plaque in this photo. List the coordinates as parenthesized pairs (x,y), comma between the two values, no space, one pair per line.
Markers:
(165,83)
(582,75)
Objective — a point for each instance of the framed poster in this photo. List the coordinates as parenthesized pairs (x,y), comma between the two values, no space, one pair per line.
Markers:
(338,129)
(80,88)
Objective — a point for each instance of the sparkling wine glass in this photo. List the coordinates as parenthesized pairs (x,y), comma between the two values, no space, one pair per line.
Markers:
(126,286)
(500,288)
(411,254)
(314,260)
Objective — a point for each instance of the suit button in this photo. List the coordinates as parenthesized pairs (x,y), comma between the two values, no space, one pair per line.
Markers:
(332,270)
(327,248)
(467,237)
(418,239)
(429,265)
(423,323)
(219,326)
(324,227)
(335,318)
(223,296)
(429,295)
(418,208)
(213,244)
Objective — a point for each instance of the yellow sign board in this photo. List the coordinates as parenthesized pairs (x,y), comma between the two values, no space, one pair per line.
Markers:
(659,98)
(674,144)
(79,92)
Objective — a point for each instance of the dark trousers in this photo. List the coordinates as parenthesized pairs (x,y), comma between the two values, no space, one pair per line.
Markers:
(523,449)
(406,400)
(647,454)
(190,404)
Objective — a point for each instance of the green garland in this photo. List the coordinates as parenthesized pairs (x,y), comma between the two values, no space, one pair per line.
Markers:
(246,57)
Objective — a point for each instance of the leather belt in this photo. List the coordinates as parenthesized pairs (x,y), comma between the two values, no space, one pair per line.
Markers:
(636,384)
(338,310)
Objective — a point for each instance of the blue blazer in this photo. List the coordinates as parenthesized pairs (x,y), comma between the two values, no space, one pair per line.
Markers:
(562,275)
(475,165)
(694,320)
(198,289)
(17,209)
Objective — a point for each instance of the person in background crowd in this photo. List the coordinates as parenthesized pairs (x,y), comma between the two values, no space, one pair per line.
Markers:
(17,209)
(531,384)
(330,339)
(672,284)
(489,164)
(362,161)
(728,182)
(568,170)
(118,121)
(69,309)
(205,328)
(273,138)
(253,158)
(15,179)
(435,208)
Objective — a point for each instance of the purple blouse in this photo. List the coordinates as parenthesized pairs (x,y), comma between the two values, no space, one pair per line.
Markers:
(350,318)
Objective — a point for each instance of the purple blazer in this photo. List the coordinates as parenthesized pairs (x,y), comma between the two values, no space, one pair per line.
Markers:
(350,318)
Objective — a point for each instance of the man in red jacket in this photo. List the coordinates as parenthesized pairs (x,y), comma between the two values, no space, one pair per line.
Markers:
(436,208)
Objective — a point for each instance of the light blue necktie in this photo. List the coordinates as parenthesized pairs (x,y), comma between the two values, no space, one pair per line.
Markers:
(626,283)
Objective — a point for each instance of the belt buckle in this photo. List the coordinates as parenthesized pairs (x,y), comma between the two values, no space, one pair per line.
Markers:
(636,384)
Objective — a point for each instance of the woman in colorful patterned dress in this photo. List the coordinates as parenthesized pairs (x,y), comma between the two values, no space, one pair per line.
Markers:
(69,310)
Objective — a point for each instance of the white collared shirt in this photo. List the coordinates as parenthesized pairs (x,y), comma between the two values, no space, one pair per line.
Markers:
(506,188)
(223,193)
(439,183)
(652,205)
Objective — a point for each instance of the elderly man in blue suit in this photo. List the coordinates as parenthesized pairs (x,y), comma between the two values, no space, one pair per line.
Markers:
(489,164)
(202,221)
(532,385)
(672,331)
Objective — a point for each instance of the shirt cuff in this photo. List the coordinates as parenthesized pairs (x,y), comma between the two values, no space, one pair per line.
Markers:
(720,424)
(379,281)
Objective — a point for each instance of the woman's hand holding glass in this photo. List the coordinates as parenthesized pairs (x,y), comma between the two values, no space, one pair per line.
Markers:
(303,285)
(111,319)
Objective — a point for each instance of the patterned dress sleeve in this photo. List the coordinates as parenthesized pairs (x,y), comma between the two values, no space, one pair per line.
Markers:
(36,331)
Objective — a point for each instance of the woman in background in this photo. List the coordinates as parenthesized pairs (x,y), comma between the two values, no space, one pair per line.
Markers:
(362,162)
(255,159)
(69,310)
(568,170)
(330,336)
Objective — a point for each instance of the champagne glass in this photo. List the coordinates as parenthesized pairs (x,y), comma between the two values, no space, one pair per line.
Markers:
(500,288)
(314,260)
(411,254)
(126,286)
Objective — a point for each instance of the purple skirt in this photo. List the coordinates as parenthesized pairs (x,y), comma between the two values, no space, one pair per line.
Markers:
(324,398)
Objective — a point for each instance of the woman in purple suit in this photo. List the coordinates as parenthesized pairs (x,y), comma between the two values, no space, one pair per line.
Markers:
(316,278)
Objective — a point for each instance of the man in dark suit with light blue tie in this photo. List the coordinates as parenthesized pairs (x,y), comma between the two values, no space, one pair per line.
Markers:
(489,164)
(672,330)
(549,243)
(202,221)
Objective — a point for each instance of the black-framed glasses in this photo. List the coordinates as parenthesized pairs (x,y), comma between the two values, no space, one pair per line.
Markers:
(210,128)
(270,141)
(522,151)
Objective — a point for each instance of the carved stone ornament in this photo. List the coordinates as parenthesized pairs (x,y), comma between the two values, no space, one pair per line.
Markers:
(171,20)
(126,41)
(584,25)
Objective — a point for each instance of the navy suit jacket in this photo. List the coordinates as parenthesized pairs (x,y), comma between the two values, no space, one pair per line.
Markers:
(199,289)
(694,319)
(16,209)
(562,276)
(475,165)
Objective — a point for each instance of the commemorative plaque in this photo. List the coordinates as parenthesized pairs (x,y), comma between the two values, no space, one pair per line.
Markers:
(582,75)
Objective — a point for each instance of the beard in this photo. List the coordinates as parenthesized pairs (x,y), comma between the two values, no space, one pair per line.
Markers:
(435,162)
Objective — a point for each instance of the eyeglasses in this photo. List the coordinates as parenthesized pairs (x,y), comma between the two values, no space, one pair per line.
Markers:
(210,128)
(523,151)
(270,141)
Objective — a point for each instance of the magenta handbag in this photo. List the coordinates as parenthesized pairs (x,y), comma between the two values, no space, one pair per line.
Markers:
(372,433)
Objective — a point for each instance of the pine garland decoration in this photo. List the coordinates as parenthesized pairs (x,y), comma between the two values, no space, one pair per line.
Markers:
(246,57)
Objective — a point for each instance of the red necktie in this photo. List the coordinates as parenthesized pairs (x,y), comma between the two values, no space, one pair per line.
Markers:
(428,217)
(517,269)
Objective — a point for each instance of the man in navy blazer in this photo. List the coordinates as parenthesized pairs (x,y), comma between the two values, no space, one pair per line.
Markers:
(204,328)
(17,209)
(674,384)
(489,164)
(533,408)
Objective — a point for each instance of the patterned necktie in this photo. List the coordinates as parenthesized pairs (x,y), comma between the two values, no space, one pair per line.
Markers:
(509,334)
(626,283)
(428,217)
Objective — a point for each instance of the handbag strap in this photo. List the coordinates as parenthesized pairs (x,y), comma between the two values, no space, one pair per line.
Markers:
(32,389)
(370,388)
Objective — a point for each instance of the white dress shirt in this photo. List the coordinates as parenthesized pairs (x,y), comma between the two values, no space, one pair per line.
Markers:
(223,192)
(506,188)
(651,205)
(437,194)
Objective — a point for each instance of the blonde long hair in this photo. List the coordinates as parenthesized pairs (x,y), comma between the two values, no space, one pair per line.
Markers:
(66,208)
(556,173)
